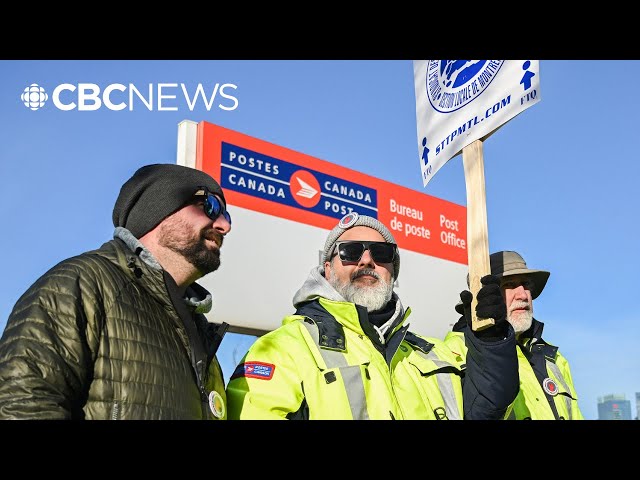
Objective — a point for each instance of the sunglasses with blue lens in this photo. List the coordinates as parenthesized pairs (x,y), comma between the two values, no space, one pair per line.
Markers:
(212,206)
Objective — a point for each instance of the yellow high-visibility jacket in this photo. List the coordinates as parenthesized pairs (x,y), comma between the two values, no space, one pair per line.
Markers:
(328,362)
(537,398)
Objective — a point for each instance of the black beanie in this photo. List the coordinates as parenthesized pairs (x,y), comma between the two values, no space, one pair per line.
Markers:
(156,191)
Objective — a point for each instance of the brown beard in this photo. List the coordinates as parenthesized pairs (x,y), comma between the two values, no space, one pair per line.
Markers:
(179,236)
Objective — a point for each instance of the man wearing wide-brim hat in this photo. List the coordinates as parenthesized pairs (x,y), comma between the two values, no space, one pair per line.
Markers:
(546,387)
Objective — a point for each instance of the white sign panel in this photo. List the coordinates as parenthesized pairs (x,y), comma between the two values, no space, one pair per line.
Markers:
(460,101)
(278,237)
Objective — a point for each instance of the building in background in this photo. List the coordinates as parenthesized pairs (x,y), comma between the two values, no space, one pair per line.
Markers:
(614,407)
(637,405)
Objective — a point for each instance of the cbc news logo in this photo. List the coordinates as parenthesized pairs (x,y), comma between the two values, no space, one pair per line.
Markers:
(117,96)
(34,96)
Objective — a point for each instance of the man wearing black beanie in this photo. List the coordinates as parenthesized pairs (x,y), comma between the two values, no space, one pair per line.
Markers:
(120,332)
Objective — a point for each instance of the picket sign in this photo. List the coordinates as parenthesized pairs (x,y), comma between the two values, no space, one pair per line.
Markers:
(459,104)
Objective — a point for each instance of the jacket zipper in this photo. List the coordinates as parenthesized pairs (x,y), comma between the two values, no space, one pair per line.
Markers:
(204,398)
(115,411)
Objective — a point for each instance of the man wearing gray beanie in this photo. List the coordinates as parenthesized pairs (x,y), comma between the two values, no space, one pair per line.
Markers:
(347,352)
(120,332)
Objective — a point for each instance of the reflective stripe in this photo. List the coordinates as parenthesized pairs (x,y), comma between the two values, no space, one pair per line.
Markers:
(354,384)
(351,375)
(446,386)
(567,399)
(332,359)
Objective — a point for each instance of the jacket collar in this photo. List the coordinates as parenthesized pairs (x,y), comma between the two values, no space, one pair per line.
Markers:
(144,266)
(352,316)
(533,334)
(531,342)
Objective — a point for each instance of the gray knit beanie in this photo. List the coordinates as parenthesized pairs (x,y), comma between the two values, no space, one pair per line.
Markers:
(156,191)
(351,220)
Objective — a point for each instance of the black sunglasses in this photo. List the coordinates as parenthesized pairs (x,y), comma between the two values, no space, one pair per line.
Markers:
(212,206)
(352,251)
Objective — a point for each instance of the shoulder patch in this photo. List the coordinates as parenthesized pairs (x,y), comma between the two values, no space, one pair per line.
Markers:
(263,371)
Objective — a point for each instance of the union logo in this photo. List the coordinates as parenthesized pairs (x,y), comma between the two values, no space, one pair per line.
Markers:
(452,84)
(550,387)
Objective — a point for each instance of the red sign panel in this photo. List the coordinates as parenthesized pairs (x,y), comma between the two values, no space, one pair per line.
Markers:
(275,180)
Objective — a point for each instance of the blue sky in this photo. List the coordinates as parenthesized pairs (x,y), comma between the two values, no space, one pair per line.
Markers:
(560,178)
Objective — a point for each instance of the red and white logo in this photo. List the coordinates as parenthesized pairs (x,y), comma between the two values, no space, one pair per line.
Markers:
(305,188)
(550,387)
(348,220)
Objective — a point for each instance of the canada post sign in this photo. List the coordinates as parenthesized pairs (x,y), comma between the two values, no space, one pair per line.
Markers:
(274,180)
(270,178)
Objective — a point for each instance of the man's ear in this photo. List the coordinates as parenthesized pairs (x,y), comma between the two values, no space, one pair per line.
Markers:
(327,267)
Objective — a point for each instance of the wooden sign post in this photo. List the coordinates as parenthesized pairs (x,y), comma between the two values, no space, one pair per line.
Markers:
(477,232)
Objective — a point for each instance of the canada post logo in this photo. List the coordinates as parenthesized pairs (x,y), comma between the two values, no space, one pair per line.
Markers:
(452,84)
(259,370)
(270,178)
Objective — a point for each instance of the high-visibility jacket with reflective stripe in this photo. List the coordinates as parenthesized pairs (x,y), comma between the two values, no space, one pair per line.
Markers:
(335,372)
(531,402)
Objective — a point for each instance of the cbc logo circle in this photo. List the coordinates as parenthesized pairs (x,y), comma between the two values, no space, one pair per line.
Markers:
(34,96)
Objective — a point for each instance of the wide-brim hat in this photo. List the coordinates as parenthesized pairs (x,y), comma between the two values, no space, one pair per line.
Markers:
(508,263)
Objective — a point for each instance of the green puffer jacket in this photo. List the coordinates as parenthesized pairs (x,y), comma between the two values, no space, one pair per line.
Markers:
(98,337)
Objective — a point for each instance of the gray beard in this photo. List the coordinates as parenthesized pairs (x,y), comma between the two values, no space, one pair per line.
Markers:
(520,322)
(372,297)
(178,236)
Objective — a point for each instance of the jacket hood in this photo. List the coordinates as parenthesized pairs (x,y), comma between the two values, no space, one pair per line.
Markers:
(316,286)
(196,297)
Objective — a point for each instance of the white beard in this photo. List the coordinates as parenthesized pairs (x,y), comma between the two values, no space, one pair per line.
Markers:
(373,297)
(520,321)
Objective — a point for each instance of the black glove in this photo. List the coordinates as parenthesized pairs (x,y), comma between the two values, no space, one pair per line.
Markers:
(490,305)
(460,308)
